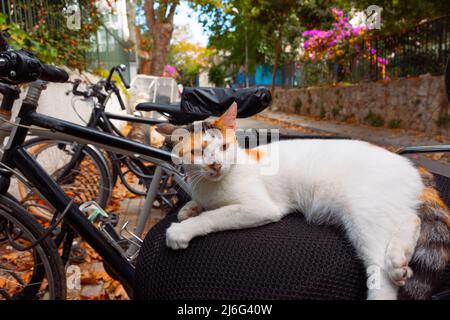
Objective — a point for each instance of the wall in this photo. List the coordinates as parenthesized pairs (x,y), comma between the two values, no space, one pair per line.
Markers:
(416,103)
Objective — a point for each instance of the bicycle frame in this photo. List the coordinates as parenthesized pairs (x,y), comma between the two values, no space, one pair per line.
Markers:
(16,157)
(101,120)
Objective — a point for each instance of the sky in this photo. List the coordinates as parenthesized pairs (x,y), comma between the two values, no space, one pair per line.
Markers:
(186,16)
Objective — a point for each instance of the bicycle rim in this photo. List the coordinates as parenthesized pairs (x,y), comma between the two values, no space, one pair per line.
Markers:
(46,279)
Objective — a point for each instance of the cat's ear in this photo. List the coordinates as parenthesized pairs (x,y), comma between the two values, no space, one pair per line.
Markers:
(166,129)
(228,119)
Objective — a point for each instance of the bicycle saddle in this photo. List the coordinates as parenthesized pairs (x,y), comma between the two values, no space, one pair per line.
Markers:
(200,103)
(290,259)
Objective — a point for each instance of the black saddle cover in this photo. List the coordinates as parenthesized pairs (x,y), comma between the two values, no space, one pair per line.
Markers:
(215,101)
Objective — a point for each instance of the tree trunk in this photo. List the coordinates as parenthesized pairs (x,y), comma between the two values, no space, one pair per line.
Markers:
(145,67)
(160,24)
(278,46)
(161,35)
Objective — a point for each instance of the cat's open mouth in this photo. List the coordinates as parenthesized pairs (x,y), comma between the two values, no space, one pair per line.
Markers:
(215,174)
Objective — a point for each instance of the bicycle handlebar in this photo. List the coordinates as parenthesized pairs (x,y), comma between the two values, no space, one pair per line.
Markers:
(95,91)
(53,74)
(122,77)
(119,69)
(21,66)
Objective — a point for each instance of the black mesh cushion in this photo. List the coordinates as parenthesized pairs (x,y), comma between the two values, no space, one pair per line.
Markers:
(290,259)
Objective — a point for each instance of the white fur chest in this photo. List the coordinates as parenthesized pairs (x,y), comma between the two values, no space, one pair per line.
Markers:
(235,188)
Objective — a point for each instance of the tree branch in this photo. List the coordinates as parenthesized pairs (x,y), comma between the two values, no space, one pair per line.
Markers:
(149,12)
(172,10)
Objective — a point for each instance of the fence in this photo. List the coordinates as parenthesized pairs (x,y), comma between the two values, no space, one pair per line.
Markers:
(26,13)
(422,49)
(108,48)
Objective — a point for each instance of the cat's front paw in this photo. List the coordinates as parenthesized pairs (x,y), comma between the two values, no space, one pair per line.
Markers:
(177,237)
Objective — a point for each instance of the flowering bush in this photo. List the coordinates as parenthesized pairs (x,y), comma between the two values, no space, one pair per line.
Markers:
(342,44)
(169,71)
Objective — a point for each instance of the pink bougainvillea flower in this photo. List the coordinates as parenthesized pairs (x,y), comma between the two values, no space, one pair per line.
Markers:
(169,69)
(382,61)
(341,43)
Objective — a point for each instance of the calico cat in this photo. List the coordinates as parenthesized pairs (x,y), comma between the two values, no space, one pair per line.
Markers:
(389,209)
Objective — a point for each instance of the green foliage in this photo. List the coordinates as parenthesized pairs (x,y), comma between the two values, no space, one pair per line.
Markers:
(395,123)
(189,58)
(50,38)
(217,74)
(400,14)
(373,119)
(316,73)
(259,23)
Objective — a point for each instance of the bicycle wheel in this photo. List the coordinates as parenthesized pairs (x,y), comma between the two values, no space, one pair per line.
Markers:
(37,273)
(80,171)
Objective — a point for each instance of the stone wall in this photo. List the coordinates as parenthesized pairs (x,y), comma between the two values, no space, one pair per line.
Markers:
(416,103)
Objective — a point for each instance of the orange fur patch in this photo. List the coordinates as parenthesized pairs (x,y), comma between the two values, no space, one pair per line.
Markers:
(424,172)
(431,195)
(254,154)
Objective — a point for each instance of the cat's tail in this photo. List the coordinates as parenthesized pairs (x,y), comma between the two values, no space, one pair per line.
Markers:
(432,253)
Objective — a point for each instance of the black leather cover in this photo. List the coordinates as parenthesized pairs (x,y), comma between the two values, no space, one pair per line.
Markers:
(215,101)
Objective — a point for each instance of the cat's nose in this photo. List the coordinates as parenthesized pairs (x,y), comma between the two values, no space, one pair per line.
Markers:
(215,166)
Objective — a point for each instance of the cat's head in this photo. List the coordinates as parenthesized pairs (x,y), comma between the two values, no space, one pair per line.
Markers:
(207,149)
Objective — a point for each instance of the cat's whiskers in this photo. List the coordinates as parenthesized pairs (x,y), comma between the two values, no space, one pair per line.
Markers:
(195,179)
